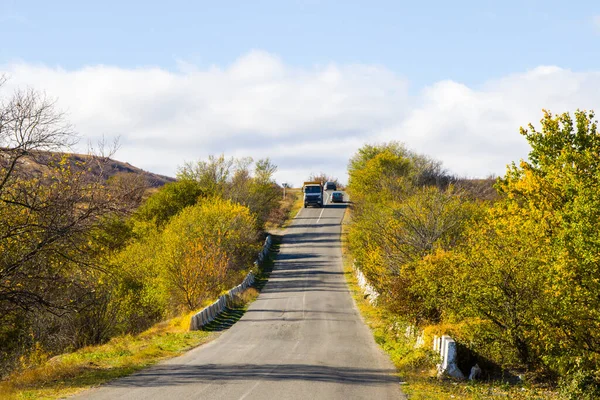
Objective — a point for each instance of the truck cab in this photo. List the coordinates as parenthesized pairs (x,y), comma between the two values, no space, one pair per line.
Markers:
(313,194)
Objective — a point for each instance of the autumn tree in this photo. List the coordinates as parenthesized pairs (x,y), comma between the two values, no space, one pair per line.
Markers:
(211,175)
(49,205)
(205,247)
(558,187)
(500,277)
(46,211)
(323,177)
(404,211)
(531,267)
(168,201)
(244,181)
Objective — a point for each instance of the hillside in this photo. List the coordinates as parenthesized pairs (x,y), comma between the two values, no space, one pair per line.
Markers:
(37,164)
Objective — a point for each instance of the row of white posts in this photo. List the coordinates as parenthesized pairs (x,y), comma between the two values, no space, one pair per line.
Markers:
(445,346)
(368,290)
(209,313)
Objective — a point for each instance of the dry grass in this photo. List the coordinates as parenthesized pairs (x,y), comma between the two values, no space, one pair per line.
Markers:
(37,164)
(249,295)
(288,208)
(245,298)
(297,202)
(91,366)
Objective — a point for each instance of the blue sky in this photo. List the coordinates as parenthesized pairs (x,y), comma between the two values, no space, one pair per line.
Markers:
(426,41)
(417,45)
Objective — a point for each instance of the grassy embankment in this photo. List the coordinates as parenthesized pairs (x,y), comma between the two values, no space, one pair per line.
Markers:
(91,366)
(88,367)
(416,366)
(288,208)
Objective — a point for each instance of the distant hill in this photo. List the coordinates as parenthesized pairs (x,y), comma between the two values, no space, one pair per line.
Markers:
(37,164)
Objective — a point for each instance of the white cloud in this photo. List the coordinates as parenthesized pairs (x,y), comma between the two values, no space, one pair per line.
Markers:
(306,120)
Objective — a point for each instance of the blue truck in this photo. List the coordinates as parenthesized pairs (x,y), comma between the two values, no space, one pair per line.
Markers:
(313,194)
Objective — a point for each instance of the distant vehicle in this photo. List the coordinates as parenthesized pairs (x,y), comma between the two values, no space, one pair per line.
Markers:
(330,186)
(337,197)
(313,194)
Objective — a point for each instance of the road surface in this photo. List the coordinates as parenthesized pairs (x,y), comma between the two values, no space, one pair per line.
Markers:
(301,339)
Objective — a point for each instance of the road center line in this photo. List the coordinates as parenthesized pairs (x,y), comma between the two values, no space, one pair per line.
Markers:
(320,215)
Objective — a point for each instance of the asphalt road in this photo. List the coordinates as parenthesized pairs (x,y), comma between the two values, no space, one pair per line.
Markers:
(301,339)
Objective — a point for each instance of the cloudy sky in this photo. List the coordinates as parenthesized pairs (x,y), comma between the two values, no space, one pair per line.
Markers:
(306,82)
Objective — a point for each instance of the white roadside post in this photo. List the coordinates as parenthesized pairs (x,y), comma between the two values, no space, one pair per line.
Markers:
(446,346)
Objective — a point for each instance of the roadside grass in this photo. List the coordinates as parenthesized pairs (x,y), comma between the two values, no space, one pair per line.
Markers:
(294,202)
(288,208)
(71,373)
(297,204)
(416,366)
(232,313)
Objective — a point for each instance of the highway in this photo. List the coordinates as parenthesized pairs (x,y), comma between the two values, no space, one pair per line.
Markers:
(301,339)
